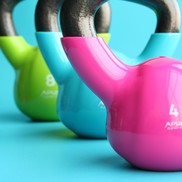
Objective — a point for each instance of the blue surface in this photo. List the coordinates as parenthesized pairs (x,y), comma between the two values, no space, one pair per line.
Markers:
(34,152)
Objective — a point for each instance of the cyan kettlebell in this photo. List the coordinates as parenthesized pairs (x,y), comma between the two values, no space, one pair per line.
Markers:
(144,108)
(35,89)
(79,109)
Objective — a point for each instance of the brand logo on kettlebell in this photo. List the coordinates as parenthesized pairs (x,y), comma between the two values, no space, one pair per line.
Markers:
(173,111)
(174,125)
(49,93)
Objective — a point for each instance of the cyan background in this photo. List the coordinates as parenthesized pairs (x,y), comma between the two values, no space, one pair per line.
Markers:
(46,151)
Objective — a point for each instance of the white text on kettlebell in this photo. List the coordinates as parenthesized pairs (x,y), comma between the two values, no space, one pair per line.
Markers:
(49,93)
(50,81)
(173,111)
(174,125)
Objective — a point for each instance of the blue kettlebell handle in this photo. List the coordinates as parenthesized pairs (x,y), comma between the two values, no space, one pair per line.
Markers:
(48,35)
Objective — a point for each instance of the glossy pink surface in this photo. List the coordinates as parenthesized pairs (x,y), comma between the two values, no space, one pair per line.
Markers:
(144,102)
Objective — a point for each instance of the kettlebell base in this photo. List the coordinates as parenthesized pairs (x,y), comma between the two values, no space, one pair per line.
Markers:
(38,114)
(84,126)
(149,152)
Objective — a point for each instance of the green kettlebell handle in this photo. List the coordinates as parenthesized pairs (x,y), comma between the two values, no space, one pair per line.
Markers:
(13,46)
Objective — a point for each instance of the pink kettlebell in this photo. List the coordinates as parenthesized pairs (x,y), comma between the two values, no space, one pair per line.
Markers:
(144,102)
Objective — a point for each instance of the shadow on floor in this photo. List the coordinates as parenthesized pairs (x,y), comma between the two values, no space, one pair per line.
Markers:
(118,163)
(58,133)
(42,131)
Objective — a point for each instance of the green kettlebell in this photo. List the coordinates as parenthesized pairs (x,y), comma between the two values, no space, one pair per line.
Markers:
(35,88)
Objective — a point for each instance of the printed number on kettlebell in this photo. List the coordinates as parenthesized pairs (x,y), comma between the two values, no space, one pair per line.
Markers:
(173,111)
(50,81)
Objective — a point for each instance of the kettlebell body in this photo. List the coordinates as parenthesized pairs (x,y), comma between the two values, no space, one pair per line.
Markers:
(144,122)
(35,89)
(144,125)
(143,101)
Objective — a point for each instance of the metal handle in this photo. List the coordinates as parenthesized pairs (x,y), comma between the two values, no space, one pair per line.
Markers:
(46,16)
(6,24)
(79,15)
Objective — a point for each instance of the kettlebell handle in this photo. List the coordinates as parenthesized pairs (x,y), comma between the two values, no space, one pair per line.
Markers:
(46,17)
(74,11)
(6,24)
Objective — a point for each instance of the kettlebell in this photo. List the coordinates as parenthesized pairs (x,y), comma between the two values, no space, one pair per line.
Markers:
(78,107)
(35,89)
(144,108)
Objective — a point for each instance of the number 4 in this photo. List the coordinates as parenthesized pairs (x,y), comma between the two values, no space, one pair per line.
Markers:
(173,111)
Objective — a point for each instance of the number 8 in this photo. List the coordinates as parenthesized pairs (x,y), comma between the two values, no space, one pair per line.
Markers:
(50,82)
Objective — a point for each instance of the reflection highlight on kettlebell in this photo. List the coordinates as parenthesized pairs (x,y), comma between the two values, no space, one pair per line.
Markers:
(35,89)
